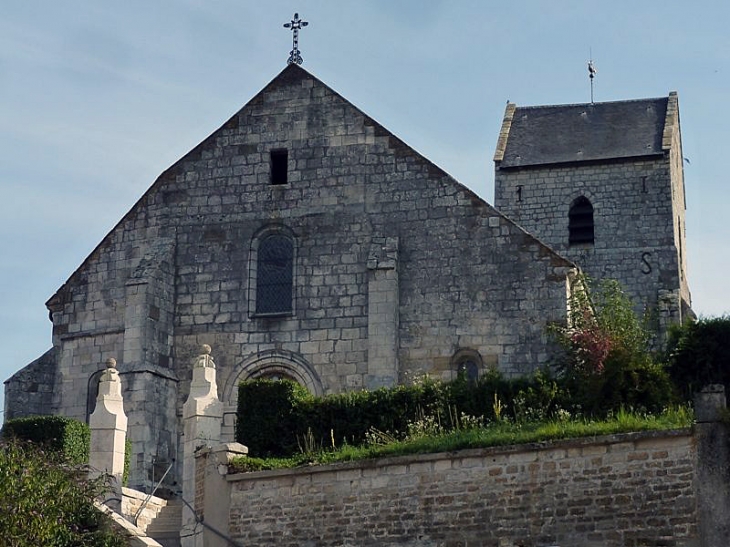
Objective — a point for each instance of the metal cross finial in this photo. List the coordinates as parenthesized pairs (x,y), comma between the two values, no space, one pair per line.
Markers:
(295,25)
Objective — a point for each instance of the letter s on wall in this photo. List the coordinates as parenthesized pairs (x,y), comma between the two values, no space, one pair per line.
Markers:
(645,266)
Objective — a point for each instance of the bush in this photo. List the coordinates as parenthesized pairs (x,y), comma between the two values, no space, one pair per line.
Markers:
(279,419)
(59,434)
(623,383)
(349,417)
(606,362)
(267,416)
(44,501)
(699,354)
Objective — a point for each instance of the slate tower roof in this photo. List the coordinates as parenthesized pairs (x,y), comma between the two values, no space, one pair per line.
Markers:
(542,135)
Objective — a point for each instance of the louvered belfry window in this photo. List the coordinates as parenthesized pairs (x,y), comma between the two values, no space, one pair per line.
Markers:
(580,221)
(274,275)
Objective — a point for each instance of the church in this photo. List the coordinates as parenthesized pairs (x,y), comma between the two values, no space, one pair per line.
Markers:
(303,240)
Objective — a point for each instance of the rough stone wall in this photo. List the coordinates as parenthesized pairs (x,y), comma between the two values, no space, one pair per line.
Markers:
(30,390)
(467,277)
(153,428)
(635,216)
(672,141)
(179,270)
(82,357)
(618,491)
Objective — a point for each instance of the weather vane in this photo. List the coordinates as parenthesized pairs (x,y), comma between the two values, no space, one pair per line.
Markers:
(294,56)
(592,74)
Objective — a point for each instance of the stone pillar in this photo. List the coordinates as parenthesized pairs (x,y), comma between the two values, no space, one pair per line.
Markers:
(713,467)
(150,380)
(202,416)
(382,313)
(108,425)
(214,491)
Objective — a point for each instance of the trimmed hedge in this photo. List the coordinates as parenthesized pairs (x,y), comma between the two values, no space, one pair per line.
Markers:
(279,418)
(268,415)
(64,436)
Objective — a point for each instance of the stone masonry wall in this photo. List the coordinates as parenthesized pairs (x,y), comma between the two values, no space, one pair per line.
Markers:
(673,140)
(619,491)
(179,269)
(634,213)
(30,390)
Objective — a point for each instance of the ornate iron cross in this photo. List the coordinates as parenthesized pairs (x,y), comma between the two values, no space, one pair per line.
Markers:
(295,25)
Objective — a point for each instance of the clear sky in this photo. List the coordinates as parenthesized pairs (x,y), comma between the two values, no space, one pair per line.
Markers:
(98,98)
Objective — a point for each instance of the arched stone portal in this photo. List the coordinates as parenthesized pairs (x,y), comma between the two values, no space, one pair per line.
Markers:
(277,364)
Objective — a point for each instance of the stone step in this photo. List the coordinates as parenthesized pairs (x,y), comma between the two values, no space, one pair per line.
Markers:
(167,523)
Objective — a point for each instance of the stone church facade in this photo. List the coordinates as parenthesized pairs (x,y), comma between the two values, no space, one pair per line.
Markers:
(303,240)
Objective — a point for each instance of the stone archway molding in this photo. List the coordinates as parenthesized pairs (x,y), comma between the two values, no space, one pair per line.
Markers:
(279,362)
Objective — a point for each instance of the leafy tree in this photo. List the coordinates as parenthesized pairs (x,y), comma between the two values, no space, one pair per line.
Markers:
(46,501)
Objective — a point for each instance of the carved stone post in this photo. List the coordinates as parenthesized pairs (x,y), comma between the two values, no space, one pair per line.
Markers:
(108,426)
(214,491)
(202,414)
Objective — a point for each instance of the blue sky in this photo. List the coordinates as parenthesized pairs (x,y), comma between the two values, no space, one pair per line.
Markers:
(98,98)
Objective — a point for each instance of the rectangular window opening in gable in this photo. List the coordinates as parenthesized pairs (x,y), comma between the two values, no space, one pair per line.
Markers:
(279,167)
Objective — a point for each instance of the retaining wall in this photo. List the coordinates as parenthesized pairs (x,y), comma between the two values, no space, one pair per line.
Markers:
(634,489)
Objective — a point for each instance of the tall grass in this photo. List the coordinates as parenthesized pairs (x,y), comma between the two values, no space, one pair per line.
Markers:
(499,433)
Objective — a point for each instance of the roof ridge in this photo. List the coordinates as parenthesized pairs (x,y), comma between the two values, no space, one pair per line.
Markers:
(624,101)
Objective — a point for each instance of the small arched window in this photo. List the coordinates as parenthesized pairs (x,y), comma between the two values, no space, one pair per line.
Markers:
(467,363)
(275,275)
(580,221)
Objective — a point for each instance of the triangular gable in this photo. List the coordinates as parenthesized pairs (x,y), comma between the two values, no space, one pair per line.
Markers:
(292,74)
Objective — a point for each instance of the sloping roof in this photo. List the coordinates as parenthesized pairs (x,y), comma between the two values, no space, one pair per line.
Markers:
(540,135)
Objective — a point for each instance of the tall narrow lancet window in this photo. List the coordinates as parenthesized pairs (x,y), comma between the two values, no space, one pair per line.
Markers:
(580,221)
(275,275)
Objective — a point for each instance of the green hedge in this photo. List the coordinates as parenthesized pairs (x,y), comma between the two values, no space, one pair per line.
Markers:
(64,436)
(268,415)
(699,355)
(279,418)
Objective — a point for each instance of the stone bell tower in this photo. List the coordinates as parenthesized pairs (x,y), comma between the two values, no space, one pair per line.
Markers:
(603,184)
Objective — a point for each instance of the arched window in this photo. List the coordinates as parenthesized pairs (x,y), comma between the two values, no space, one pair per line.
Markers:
(580,221)
(467,363)
(274,274)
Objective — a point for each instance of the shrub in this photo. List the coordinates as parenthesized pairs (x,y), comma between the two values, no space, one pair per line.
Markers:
(699,354)
(606,362)
(59,434)
(280,419)
(44,501)
(268,416)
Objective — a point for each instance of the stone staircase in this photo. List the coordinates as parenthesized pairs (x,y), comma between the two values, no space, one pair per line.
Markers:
(165,527)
